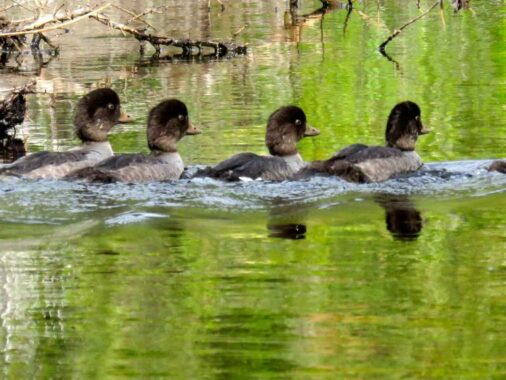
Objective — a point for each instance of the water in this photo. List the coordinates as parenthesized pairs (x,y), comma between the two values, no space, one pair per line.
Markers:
(312,279)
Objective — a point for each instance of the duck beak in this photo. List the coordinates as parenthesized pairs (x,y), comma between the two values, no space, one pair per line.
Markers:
(192,130)
(311,131)
(424,131)
(125,118)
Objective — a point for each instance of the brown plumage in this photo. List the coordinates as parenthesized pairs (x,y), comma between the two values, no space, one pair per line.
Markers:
(362,164)
(285,128)
(96,113)
(499,166)
(168,123)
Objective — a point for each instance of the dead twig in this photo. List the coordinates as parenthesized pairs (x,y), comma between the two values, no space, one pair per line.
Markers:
(129,12)
(398,31)
(63,19)
(7,8)
(146,12)
(239,31)
(21,6)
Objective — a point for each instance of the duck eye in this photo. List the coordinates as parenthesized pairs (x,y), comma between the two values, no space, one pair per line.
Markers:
(110,106)
(298,122)
(181,118)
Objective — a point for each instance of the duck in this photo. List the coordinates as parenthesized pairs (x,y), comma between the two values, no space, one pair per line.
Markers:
(95,115)
(499,166)
(285,128)
(360,163)
(168,123)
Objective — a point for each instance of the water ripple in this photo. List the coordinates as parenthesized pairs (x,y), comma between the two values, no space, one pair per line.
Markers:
(57,201)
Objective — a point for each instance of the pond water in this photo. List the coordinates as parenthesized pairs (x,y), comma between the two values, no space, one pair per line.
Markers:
(313,279)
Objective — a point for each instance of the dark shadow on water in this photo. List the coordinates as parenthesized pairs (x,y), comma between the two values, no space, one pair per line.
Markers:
(286,221)
(402,219)
(292,231)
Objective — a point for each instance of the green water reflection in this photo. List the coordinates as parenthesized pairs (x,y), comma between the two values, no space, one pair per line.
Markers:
(352,289)
(203,294)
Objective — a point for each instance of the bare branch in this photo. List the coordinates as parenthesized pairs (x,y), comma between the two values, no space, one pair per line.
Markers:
(129,12)
(398,31)
(7,8)
(65,19)
(146,12)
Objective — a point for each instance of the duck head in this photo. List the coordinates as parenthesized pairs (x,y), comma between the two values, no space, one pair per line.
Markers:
(96,113)
(168,123)
(404,126)
(285,127)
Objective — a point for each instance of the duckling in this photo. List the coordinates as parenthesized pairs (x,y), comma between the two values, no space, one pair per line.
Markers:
(96,113)
(285,127)
(168,123)
(499,166)
(364,164)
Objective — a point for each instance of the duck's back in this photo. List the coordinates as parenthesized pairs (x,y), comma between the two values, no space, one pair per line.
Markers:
(54,165)
(363,164)
(379,163)
(252,166)
(133,168)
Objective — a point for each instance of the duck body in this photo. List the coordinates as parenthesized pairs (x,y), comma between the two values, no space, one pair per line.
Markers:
(361,163)
(365,164)
(244,166)
(53,165)
(134,168)
(285,127)
(168,122)
(96,113)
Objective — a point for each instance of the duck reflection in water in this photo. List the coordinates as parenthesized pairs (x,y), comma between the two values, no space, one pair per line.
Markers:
(291,231)
(286,221)
(403,220)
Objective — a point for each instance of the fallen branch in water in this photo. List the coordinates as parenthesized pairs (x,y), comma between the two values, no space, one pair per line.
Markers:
(63,18)
(13,33)
(398,31)
(190,48)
